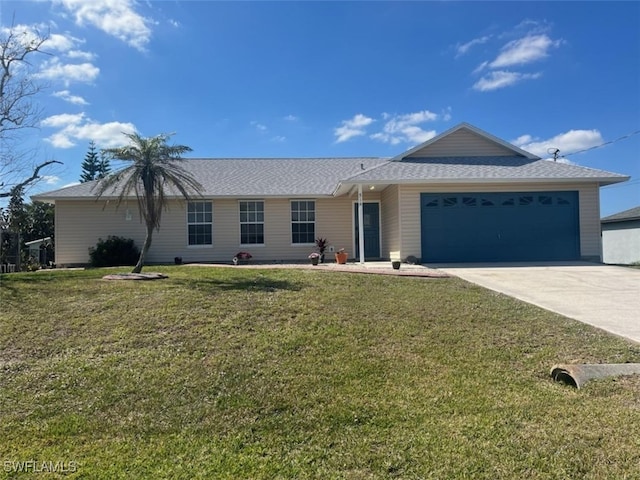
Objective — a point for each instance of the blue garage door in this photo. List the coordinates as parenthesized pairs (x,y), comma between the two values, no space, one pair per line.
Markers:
(495,227)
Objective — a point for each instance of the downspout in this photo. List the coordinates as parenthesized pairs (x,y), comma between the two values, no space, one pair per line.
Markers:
(360,225)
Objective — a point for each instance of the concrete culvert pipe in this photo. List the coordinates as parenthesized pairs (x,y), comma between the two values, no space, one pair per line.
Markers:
(579,374)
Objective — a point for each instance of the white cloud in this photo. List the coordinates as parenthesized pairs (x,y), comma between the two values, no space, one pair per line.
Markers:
(524,50)
(76,127)
(60,43)
(405,128)
(63,119)
(567,142)
(291,118)
(530,47)
(81,55)
(50,179)
(465,47)
(25,35)
(117,18)
(501,79)
(68,97)
(259,126)
(68,73)
(278,139)
(353,127)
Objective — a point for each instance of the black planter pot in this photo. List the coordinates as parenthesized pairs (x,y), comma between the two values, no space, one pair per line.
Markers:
(395,265)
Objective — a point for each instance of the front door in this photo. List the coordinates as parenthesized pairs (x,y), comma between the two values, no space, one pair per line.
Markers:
(371,221)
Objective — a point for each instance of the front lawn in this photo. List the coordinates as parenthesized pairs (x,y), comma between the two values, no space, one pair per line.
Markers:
(251,374)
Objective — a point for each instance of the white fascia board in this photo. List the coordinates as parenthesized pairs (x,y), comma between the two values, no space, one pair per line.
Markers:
(466,181)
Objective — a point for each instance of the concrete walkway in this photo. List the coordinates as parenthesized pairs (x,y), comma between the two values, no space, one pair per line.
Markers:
(605,296)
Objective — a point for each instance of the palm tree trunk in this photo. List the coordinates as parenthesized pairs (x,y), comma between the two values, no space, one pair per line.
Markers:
(143,252)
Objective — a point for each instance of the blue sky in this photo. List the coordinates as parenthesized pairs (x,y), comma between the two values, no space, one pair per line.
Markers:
(305,79)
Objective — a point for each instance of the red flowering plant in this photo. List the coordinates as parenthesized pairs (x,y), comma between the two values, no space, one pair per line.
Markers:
(241,256)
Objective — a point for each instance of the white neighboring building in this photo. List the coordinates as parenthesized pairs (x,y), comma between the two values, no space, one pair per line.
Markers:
(621,237)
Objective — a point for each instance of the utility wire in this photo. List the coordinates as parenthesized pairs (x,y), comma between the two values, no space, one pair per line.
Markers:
(596,146)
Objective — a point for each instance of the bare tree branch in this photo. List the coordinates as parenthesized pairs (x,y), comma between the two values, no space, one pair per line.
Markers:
(18,109)
(34,176)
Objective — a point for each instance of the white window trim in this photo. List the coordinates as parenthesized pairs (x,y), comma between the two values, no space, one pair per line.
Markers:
(210,245)
(240,223)
(291,222)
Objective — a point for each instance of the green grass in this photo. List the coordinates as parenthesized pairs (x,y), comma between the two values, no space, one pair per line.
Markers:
(252,374)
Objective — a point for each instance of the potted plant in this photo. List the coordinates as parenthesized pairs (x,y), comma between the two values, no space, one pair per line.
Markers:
(395,264)
(314,257)
(241,257)
(341,256)
(322,244)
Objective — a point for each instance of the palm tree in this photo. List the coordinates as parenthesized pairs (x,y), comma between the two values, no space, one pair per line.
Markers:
(154,174)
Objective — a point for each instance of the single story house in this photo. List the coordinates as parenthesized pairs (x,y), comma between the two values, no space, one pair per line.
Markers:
(621,237)
(463,196)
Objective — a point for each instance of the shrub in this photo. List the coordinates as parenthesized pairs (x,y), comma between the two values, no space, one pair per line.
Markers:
(114,251)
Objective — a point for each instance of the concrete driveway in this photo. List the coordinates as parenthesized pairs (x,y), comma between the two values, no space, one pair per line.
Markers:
(605,296)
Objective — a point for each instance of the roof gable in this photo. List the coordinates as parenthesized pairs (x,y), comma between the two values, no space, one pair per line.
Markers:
(464,140)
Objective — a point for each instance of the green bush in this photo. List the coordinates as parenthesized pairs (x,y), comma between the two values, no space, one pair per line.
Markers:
(113,252)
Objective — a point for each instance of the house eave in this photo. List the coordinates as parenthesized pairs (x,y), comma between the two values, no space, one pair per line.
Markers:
(620,220)
(602,181)
(53,200)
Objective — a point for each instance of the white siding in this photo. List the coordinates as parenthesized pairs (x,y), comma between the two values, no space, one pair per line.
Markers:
(79,225)
(589,216)
(463,143)
(391,221)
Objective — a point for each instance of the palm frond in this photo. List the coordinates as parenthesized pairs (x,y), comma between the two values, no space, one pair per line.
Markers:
(153,176)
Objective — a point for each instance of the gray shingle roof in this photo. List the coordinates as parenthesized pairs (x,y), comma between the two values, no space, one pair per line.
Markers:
(315,177)
(470,169)
(625,216)
(258,177)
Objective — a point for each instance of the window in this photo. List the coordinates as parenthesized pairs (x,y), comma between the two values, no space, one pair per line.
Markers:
(525,200)
(450,202)
(469,201)
(545,200)
(252,222)
(200,223)
(303,221)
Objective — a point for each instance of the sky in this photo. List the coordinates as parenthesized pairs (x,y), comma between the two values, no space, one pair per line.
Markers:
(337,79)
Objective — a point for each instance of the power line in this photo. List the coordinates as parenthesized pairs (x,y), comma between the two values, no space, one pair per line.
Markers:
(624,184)
(624,137)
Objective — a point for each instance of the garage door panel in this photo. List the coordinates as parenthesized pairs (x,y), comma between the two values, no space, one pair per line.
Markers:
(506,226)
